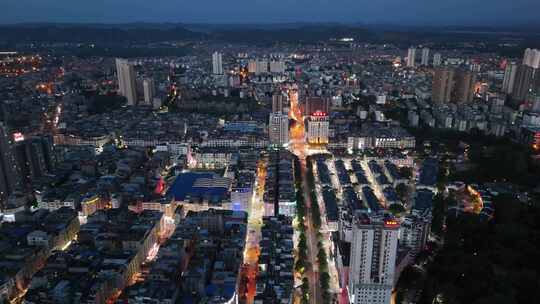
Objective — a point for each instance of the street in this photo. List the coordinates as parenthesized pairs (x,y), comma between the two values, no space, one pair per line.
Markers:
(299,147)
(248,273)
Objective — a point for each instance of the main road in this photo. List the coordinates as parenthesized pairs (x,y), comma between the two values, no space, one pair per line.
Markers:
(248,275)
(299,147)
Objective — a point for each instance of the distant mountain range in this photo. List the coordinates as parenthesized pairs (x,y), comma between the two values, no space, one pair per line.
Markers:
(153,32)
(77,33)
(245,33)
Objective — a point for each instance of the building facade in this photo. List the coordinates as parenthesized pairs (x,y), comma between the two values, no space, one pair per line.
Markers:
(414,232)
(437,59)
(10,171)
(531,58)
(425,56)
(373,260)
(149,91)
(443,81)
(127,83)
(453,85)
(463,90)
(217,63)
(34,156)
(318,125)
(509,77)
(523,82)
(278,128)
(411,57)
(277,102)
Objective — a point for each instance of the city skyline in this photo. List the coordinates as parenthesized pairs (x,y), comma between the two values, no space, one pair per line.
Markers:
(265,163)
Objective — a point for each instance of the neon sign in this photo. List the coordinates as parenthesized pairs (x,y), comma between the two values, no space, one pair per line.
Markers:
(319,114)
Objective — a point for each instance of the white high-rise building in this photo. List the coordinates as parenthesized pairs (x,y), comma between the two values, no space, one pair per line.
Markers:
(536,104)
(277,66)
(531,58)
(149,91)
(259,66)
(535,60)
(425,56)
(437,59)
(217,63)
(318,126)
(373,259)
(278,127)
(252,66)
(262,67)
(127,84)
(509,77)
(411,57)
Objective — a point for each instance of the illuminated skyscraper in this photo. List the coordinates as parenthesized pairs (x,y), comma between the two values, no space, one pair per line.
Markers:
(127,84)
(318,125)
(425,57)
(411,57)
(373,259)
(217,63)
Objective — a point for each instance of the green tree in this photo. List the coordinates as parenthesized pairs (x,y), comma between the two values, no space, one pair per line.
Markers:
(488,261)
(439,210)
(106,103)
(321,257)
(325,286)
(305,291)
(300,265)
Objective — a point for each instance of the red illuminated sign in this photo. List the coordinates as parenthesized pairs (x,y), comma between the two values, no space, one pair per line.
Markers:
(391,224)
(319,114)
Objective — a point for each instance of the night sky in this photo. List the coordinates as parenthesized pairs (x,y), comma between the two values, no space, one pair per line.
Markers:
(412,12)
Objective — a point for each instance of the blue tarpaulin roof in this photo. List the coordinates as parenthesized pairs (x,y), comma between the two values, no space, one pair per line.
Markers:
(183,188)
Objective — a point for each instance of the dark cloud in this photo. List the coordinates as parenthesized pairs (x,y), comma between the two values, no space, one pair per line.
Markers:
(472,12)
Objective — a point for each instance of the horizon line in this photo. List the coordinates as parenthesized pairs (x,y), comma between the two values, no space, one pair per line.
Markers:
(240,23)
